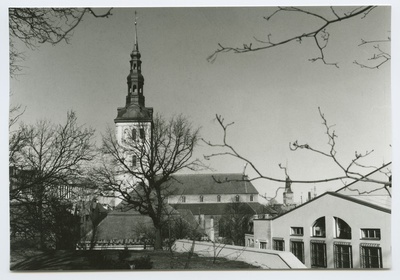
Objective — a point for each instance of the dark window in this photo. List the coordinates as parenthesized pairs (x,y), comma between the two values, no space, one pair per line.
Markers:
(371,233)
(134,161)
(134,134)
(371,257)
(251,197)
(263,245)
(318,254)
(141,131)
(297,249)
(201,198)
(237,198)
(183,198)
(343,256)
(279,244)
(218,198)
(296,231)
(342,229)
(318,228)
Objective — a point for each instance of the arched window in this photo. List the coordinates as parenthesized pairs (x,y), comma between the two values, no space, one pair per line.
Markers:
(201,198)
(142,135)
(134,159)
(134,134)
(237,198)
(218,198)
(251,197)
(318,228)
(342,229)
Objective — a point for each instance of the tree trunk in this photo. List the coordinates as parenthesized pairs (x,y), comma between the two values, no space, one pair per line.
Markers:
(93,239)
(158,240)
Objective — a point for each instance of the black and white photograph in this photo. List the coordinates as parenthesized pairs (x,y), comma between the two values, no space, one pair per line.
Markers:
(199,138)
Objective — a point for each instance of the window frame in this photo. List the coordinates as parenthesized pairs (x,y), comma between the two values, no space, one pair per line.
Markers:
(134,134)
(338,252)
(365,258)
(338,232)
(365,234)
(314,226)
(278,244)
(142,133)
(134,161)
(295,245)
(294,229)
(316,249)
(263,244)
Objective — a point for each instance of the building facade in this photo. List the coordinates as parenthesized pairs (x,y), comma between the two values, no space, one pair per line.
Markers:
(349,228)
(209,197)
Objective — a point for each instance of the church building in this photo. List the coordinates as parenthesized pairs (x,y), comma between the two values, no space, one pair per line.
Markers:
(198,198)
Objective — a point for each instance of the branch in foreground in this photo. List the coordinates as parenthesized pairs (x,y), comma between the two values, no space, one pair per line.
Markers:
(348,173)
(319,34)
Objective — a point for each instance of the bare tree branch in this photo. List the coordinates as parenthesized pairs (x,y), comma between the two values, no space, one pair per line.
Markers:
(347,171)
(144,184)
(319,34)
(35,26)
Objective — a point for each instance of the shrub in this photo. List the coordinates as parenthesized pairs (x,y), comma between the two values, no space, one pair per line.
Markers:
(143,262)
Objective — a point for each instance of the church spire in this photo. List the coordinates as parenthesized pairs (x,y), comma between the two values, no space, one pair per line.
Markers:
(135,109)
(136,44)
(135,78)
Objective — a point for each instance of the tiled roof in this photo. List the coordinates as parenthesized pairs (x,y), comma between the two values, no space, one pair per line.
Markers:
(124,224)
(221,208)
(211,184)
(134,113)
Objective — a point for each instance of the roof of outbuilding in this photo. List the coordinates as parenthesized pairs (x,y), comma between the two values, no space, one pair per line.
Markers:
(229,183)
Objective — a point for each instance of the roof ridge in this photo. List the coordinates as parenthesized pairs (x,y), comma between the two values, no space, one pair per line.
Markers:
(204,174)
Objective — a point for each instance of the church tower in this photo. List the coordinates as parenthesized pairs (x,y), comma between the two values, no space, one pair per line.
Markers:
(134,120)
(288,193)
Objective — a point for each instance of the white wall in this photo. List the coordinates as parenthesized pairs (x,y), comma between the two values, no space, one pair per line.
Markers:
(211,198)
(357,216)
(267,259)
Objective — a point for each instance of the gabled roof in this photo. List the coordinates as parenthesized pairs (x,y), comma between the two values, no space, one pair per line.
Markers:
(230,183)
(219,209)
(356,199)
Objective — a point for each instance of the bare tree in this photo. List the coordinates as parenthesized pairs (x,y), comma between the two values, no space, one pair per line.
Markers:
(51,160)
(318,34)
(35,26)
(16,138)
(138,171)
(348,171)
(234,224)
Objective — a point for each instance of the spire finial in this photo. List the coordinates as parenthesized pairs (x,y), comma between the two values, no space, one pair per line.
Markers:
(136,46)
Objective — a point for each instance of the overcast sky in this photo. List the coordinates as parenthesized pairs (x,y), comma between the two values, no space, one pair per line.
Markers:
(272,96)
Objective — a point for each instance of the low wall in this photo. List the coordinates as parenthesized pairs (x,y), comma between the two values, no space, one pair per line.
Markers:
(267,259)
